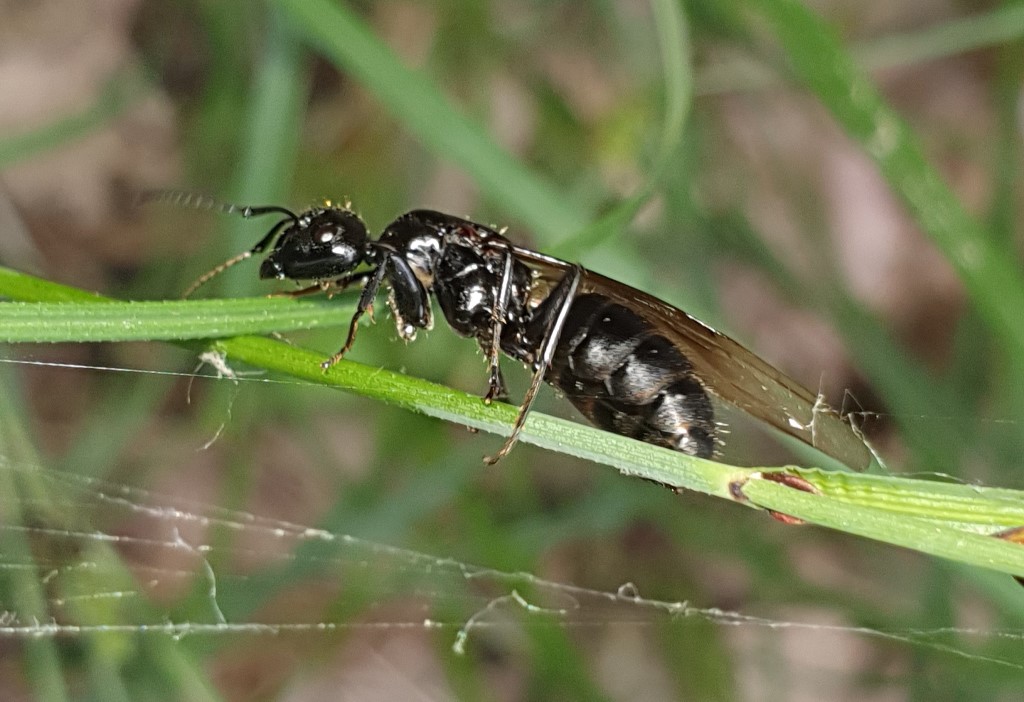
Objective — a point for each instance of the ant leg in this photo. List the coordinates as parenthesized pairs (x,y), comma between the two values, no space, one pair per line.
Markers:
(301,292)
(496,389)
(408,300)
(343,283)
(365,303)
(331,287)
(560,300)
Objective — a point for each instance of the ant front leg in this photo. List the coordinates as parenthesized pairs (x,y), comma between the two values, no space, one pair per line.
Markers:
(369,294)
(409,302)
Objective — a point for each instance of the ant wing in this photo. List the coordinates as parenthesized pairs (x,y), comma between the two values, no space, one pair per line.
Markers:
(729,371)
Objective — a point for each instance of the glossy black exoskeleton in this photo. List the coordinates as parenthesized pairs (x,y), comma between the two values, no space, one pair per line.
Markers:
(629,362)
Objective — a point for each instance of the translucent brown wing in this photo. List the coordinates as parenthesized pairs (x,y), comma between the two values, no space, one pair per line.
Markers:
(729,371)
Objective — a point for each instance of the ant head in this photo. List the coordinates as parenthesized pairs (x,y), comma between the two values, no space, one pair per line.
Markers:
(322,243)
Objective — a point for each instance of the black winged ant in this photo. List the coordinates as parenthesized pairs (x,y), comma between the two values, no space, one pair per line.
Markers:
(632,364)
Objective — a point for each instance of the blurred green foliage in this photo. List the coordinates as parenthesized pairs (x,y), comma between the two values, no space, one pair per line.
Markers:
(575,125)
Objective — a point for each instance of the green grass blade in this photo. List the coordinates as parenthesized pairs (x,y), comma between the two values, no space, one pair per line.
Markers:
(60,316)
(986,29)
(931,517)
(920,534)
(270,138)
(674,44)
(974,508)
(41,322)
(629,456)
(22,499)
(22,286)
(997,26)
(415,100)
(988,270)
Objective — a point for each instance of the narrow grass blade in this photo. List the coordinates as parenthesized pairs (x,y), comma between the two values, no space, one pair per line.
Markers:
(989,271)
(417,102)
(955,522)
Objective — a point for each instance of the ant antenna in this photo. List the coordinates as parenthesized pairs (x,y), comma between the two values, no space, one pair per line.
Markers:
(196,201)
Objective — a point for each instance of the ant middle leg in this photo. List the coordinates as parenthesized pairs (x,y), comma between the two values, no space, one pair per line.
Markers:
(551,323)
(496,388)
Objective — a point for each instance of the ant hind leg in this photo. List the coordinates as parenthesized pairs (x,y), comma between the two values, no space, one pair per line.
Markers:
(496,387)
